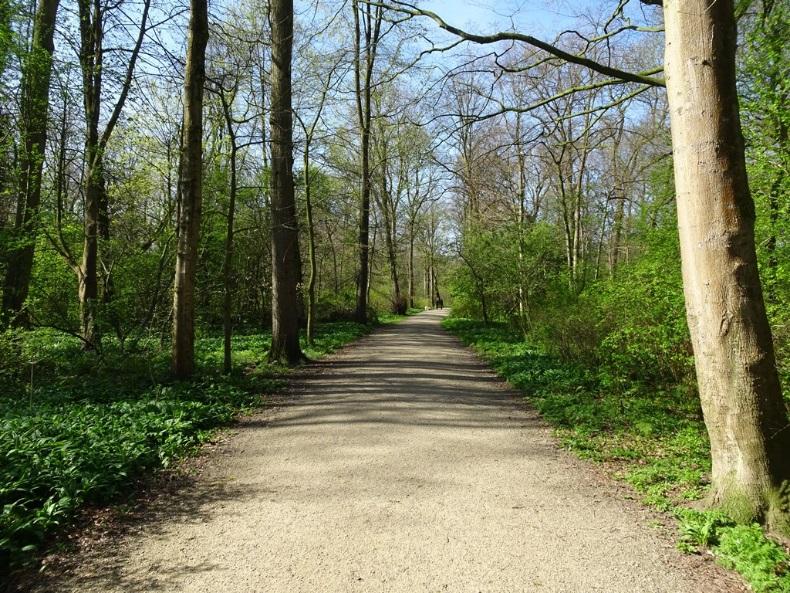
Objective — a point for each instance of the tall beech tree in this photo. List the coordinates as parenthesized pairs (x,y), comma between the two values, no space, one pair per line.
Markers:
(36,74)
(741,396)
(191,192)
(285,231)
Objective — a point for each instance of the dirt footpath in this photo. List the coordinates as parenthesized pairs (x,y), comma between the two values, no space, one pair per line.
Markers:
(400,465)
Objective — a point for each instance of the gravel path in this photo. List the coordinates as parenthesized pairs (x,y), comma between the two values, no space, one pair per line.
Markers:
(401,464)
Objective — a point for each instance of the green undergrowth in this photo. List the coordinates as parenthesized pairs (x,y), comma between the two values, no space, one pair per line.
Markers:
(77,429)
(655,439)
(764,564)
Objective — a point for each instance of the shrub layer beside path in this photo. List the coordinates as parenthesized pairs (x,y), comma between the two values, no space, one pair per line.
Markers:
(657,441)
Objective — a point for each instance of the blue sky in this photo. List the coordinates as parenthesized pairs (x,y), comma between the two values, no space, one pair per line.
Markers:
(533,16)
(542,18)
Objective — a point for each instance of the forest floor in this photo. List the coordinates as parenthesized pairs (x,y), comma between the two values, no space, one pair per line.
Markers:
(398,464)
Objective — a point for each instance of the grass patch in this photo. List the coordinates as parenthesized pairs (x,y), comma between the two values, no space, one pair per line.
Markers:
(388,317)
(77,429)
(655,437)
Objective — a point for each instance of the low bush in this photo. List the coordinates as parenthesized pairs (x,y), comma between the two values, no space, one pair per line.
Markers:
(744,548)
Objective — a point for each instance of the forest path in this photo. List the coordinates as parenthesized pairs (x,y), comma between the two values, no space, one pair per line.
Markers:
(401,464)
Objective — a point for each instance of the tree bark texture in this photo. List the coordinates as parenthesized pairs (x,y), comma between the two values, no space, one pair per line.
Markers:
(285,236)
(742,403)
(191,193)
(91,62)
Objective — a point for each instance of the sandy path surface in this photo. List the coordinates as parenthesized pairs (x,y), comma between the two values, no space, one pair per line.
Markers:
(401,464)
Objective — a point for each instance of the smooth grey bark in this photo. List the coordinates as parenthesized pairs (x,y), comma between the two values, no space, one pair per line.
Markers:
(741,396)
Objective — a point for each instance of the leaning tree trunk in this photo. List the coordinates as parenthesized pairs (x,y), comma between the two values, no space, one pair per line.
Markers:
(739,388)
(97,221)
(285,235)
(191,193)
(36,75)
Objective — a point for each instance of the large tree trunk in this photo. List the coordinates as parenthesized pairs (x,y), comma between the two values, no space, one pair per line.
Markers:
(285,236)
(363,108)
(191,193)
(36,74)
(741,396)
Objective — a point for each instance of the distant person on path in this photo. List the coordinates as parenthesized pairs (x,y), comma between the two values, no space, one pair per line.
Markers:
(439,302)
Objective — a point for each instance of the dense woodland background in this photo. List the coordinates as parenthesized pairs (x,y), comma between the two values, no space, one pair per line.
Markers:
(535,200)
(551,218)
(554,218)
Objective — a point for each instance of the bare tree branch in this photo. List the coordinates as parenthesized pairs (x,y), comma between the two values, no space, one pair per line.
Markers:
(616,73)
